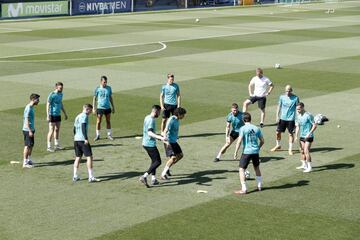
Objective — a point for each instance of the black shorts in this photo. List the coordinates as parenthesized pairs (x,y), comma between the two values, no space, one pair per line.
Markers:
(283,125)
(54,119)
(28,141)
(245,160)
(153,153)
(310,140)
(169,109)
(234,135)
(101,111)
(261,101)
(172,149)
(82,149)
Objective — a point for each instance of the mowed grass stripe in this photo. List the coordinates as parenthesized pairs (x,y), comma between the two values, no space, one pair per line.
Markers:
(296,207)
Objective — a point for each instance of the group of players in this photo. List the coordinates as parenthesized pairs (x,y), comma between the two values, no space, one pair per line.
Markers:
(290,115)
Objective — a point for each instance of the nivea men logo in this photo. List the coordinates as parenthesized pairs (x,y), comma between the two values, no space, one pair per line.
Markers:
(105,6)
(82,7)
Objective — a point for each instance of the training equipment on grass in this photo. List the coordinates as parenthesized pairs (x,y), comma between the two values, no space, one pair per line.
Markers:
(277,65)
(197,20)
(202,191)
(247,174)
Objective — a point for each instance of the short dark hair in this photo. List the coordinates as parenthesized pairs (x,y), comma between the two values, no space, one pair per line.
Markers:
(34,96)
(246,117)
(301,104)
(59,84)
(234,105)
(156,107)
(170,75)
(103,78)
(179,111)
(88,105)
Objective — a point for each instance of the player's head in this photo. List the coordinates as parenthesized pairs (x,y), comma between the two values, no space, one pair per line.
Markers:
(247,117)
(180,112)
(103,81)
(59,86)
(170,78)
(234,108)
(87,108)
(155,110)
(300,107)
(259,72)
(35,98)
(288,90)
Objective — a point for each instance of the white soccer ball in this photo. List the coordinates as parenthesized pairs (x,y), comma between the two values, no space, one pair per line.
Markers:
(247,174)
(197,20)
(277,65)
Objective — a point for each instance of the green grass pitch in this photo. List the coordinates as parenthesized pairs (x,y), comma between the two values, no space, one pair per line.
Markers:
(213,61)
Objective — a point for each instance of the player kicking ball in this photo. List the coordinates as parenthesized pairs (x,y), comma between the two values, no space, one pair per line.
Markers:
(172,132)
(81,143)
(252,139)
(149,144)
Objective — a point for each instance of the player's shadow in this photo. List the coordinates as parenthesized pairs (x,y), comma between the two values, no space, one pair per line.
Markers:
(201,135)
(203,178)
(325,149)
(106,145)
(128,136)
(335,166)
(300,183)
(63,163)
(272,158)
(119,175)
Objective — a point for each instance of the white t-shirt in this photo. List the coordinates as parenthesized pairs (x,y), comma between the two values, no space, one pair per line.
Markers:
(260,85)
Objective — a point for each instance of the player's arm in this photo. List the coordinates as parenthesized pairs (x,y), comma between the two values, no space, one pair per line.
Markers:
(112,104)
(238,144)
(94,104)
(262,141)
(227,131)
(270,88)
(314,126)
(153,135)
(84,132)
(297,129)
(48,111)
(27,123)
(162,100)
(178,96)
(278,112)
(63,110)
(250,88)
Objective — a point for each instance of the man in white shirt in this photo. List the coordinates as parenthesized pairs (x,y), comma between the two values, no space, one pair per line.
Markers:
(259,87)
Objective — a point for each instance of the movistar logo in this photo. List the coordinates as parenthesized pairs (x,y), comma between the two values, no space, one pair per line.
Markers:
(15,9)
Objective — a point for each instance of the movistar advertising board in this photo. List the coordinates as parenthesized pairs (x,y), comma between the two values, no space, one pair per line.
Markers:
(32,9)
(100,6)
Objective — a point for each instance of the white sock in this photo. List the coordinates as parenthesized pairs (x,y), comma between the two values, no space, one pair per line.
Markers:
(308,164)
(97,132)
(243,186)
(290,146)
(278,142)
(75,171)
(166,168)
(153,177)
(145,175)
(303,163)
(109,132)
(25,161)
(219,155)
(90,171)
(49,144)
(259,181)
(57,142)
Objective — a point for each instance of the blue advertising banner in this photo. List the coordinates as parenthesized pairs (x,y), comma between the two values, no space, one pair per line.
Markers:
(100,6)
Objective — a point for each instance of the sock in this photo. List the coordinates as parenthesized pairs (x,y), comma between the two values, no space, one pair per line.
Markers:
(153,177)
(290,146)
(277,142)
(109,132)
(75,171)
(49,144)
(166,168)
(219,155)
(303,163)
(90,173)
(25,161)
(145,175)
(57,142)
(308,164)
(243,187)
(259,181)
(97,132)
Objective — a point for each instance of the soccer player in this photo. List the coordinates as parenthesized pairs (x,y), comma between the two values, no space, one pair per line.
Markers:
(81,143)
(235,122)
(285,117)
(259,88)
(172,132)
(103,97)
(170,99)
(306,126)
(29,130)
(252,139)
(54,106)
(149,144)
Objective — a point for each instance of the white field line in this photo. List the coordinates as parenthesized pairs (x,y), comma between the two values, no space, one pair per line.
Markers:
(7,30)
(121,45)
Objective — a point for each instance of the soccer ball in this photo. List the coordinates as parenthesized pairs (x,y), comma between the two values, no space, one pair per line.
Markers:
(247,174)
(277,65)
(197,20)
